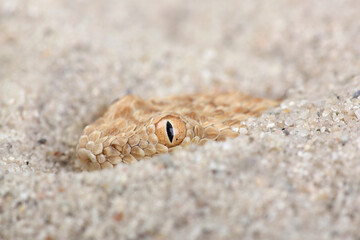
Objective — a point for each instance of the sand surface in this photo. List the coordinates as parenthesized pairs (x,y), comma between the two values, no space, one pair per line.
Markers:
(295,173)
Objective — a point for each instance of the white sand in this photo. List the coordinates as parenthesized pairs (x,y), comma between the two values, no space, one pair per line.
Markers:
(294,175)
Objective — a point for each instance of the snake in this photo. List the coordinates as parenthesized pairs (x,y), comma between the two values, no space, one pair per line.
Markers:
(133,128)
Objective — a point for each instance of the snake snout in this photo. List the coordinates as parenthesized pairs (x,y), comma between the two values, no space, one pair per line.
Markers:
(90,151)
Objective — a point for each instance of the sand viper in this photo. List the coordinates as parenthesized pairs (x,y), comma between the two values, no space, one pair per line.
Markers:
(134,129)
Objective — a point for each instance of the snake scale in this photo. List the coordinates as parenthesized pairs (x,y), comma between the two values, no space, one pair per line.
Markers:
(133,128)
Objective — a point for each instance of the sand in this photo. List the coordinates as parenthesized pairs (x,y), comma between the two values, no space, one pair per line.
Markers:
(294,174)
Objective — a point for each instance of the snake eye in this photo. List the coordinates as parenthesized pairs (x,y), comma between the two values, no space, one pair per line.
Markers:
(170,131)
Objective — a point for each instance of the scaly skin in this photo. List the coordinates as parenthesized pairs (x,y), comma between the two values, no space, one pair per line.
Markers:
(134,129)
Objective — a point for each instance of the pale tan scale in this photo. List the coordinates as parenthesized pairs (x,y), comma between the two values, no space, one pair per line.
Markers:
(129,159)
(88,129)
(134,129)
(219,112)
(89,145)
(211,132)
(150,150)
(106,165)
(192,115)
(175,148)
(134,140)
(223,135)
(108,141)
(143,134)
(101,140)
(121,141)
(101,158)
(153,139)
(143,144)
(97,148)
(161,148)
(137,152)
(189,126)
(156,119)
(203,141)
(126,149)
(192,121)
(122,123)
(111,151)
(114,160)
(195,140)
(118,147)
(207,123)
(198,130)
(208,108)
(221,126)
(95,135)
(83,140)
(228,133)
(150,129)
(131,128)
(115,142)
(190,133)
(203,119)
(231,122)
(186,142)
(93,166)
(84,154)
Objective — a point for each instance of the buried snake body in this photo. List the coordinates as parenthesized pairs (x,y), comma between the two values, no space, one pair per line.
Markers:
(134,129)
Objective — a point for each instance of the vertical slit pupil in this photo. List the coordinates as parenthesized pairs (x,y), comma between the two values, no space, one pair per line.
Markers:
(170,131)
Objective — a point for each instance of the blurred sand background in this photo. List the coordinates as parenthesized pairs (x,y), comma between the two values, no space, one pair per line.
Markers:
(295,173)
